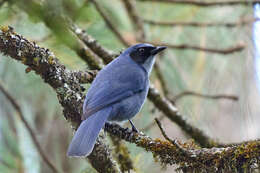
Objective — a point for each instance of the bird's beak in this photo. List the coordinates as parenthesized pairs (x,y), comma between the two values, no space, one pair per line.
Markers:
(158,49)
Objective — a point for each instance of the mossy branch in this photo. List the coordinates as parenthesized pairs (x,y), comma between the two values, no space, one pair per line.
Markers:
(66,84)
(122,154)
(188,156)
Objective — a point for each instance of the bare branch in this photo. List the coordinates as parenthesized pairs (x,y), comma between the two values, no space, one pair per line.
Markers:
(200,3)
(130,6)
(109,23)
(139,28)
(161,78)
(241,22)
(230,50)
(30,130)
(208,96)
(239,47)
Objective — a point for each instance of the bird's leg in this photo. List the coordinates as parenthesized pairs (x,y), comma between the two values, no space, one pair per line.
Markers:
(133,127)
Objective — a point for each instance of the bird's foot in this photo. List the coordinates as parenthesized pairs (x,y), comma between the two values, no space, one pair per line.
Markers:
(134,129)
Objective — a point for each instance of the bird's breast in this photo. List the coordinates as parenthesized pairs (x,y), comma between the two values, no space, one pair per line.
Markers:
(128,108)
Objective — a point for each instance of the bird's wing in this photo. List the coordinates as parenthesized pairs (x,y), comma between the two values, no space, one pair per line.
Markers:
(112,86)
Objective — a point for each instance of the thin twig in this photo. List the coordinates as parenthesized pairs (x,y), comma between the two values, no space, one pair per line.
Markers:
(151,125)
(130,6)
(109,23)
(241,22)
(171,112)
(30,130)
(208,96)
(161,78)
(206,3)
(237,48)
(6,164)
(162,130)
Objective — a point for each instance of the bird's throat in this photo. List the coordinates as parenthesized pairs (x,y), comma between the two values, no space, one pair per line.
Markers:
(148,64)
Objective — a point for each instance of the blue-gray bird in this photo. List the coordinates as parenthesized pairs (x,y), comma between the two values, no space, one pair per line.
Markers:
(117,94)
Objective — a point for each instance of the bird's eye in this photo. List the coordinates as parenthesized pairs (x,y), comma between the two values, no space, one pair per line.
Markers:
(141,50)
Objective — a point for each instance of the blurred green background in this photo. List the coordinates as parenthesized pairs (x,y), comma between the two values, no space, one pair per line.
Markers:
(207,73)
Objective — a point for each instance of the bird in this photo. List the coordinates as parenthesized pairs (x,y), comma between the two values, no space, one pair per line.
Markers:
(116,94)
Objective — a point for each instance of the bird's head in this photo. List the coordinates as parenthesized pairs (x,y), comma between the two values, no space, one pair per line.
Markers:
(143,54)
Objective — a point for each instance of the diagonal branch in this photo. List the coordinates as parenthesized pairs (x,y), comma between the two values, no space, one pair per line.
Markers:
(161,78)
(29,128)
(201,3)
(130,6)
(110,25)
(65,83)
(93,44)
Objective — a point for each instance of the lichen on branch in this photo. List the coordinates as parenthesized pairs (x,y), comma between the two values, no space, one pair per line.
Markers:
(187,156)
(66,84)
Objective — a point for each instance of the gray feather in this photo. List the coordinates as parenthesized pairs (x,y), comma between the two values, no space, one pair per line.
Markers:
(85,137)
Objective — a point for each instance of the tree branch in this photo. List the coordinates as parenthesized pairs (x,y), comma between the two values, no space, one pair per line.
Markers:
(65,83)
(122,154)
(187,156)
(239,47)
(93,44)
(161,78)
(241,22)
(109,23)
(135,19)
(208,96)
(200,3)
(173,114)
(190,157)
(29,129)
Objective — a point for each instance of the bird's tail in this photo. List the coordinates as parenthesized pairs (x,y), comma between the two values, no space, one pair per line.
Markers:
(85,137)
